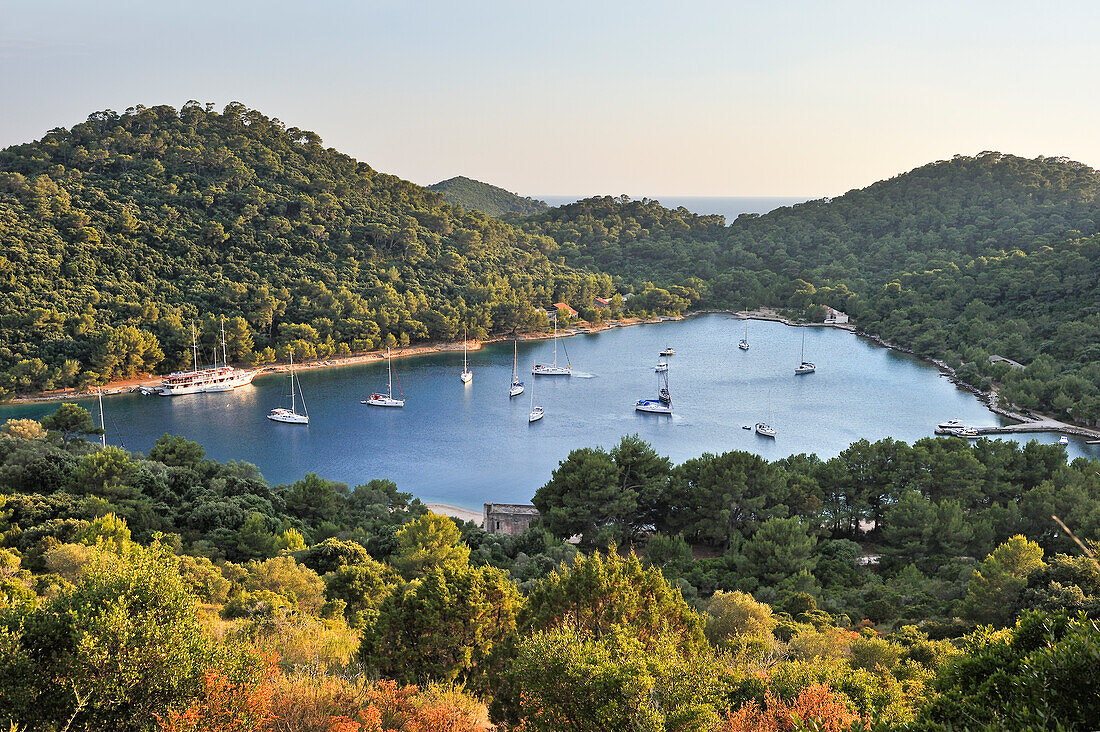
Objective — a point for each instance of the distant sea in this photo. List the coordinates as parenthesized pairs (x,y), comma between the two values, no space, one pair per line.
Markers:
(729,206)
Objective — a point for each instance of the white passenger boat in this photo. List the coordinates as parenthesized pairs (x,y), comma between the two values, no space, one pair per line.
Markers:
(199,381)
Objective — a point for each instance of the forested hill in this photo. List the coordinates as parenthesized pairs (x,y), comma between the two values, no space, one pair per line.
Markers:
(489,199)
(116,233)
(958,260)
(928,217)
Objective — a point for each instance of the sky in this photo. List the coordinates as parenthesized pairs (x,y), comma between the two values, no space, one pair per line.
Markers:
(645,98)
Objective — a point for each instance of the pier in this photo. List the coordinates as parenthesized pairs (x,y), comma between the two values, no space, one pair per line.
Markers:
(1037,425)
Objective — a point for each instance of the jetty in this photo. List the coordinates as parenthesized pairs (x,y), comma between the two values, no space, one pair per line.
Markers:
(1044,424)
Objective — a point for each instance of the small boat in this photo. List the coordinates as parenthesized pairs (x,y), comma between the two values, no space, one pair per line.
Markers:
(951,424)
(745,427)
(663,403)
(1063,440)
(970,433)
(536,412)
(544,369)
(669,351)
(743,344)
(467,376)
(291,416)
(517,386)
(661,367)
(387,399)
(805,367)
(765,430)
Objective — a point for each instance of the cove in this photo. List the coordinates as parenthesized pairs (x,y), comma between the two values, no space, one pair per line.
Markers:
(463,445)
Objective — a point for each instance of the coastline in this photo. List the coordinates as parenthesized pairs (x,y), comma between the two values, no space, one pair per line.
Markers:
(126,386)
(989,398)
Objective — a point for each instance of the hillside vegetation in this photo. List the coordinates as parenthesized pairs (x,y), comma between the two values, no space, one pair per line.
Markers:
(116,233)
(957,260)
(169,592)
(489,199)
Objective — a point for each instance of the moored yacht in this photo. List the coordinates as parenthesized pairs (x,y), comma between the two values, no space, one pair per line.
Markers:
(544,369)
(805,367)
(291,416)
(198,381)
(516,387)
(743,344)
(765,430)
(467,376)
(663,403)
(387,399)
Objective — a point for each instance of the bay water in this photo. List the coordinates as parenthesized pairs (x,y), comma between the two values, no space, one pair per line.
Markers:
(466,444)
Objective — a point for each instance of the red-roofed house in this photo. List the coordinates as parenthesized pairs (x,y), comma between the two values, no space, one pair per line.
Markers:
(566,308)
(602,303)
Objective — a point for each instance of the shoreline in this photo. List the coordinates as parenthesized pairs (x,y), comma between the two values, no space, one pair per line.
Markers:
(127,386)
(989,398)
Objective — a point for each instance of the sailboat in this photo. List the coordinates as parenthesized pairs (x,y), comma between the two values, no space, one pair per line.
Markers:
(663,403)
(387,400)
(542,369)
(806,367)
(765,430)
(536,413)
(102,428)
(744,343)
(221,380)
(467,375)
(517,386)
(291,416)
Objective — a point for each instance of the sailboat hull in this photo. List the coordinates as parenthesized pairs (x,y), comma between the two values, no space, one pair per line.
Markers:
(287,417)
(544,370)
(381,400)
(466,377)
(535,415)
(653,406)
(516,390)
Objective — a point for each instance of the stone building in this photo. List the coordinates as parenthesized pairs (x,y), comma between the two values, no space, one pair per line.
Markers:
(508,518)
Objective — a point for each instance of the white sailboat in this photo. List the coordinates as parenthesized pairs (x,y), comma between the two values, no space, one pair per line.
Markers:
(387,399)
(102,428)
(744,342)
(542,369)
(765,430)
(221,380)
(663,403)
(467,376)
(806,367)
(536,412)
(517,386)
(660,367)
(291,416)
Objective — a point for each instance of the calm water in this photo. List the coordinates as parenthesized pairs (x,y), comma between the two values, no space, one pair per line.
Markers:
(467,444)
(729,206)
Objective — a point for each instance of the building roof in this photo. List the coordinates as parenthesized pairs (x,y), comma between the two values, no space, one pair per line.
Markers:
(563,306)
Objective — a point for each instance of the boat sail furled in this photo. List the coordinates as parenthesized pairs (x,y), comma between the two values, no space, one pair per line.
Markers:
(663,403)
(536,412)
(805,367)
(387,399)
(213,379)
(543,369)
(467,376)
(291,416)
(516,387)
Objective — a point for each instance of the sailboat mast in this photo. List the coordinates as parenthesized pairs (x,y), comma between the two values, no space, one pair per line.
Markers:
(194,346)
(102,428)
(389,370)
(464,368)
(515,361)
(225,355)
(555,339)
(803,356)
(292,404)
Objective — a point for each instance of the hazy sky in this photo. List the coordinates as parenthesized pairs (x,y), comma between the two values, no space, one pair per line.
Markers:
(645,98)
